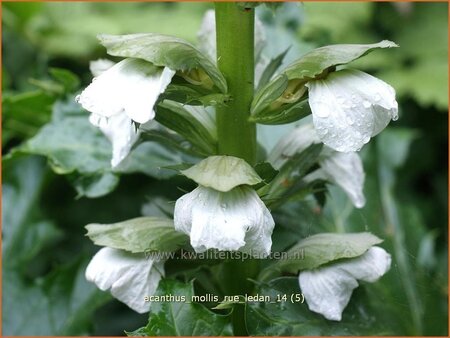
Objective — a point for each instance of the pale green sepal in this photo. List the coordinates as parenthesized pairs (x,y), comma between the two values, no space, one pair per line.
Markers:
(163,50)
(285,114)
(320,249)
(311,65)
(222,173)
(142,234)
(269,94)
(316,61)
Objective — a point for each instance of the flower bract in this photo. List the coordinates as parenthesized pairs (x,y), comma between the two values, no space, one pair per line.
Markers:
(328,289)
(349,107)
(130,277)
(344,169)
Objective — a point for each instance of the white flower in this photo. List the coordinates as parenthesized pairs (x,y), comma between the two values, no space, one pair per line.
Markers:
(131,86)
(328,289)
(232,220)
(99,66)
(349,107)
(120,94)
(346,170)
(131,277)
(343,169)
(122,133)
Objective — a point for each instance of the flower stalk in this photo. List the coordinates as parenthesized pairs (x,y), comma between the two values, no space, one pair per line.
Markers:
(236,135)
(235,58)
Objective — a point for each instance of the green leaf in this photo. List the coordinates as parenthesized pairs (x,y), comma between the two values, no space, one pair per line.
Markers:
(271,68)
(293,318)
(141,234)
(66,78)
(72,144)
(25,113)
(183,317)
(222,173)
(266,171)
(309,66)
(183,120)
(320,249)
(163,50)
(289,178)
(23,224)
(94,186)
(60,305)
(286,113)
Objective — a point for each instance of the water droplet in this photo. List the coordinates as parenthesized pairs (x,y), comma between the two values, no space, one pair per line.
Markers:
(366,139)
(367,104)
(77,98)
(377,97)
(394,117)
(94,79)
(223,206)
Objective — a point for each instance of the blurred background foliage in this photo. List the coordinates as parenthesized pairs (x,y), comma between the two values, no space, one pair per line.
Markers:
(46,52)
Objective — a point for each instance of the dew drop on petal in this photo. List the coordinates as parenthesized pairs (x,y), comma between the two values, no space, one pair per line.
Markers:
(77,98)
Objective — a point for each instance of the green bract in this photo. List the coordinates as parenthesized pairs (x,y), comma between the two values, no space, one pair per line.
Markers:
(308,67)
(193,123)
(163,50)
(320,249)
(222,173)
(142,234)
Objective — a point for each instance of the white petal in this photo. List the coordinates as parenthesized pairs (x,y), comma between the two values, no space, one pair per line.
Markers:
(328,289)
(131,277)
(120,130)
(233,220)
(295,142)
(349,107)
(100,66)
(346,170)
(207,34)
(131,85)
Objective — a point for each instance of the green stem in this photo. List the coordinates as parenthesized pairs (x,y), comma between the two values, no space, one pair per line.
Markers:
(235,58)
(236,135)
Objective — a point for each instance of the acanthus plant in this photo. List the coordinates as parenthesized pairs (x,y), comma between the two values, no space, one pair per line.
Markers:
(166,84)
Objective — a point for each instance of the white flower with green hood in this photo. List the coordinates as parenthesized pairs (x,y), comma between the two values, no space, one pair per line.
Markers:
(348,106)
(328,289)
(224,212)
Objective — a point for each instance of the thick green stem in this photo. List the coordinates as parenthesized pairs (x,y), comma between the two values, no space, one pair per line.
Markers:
(237,136)
(235,58)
